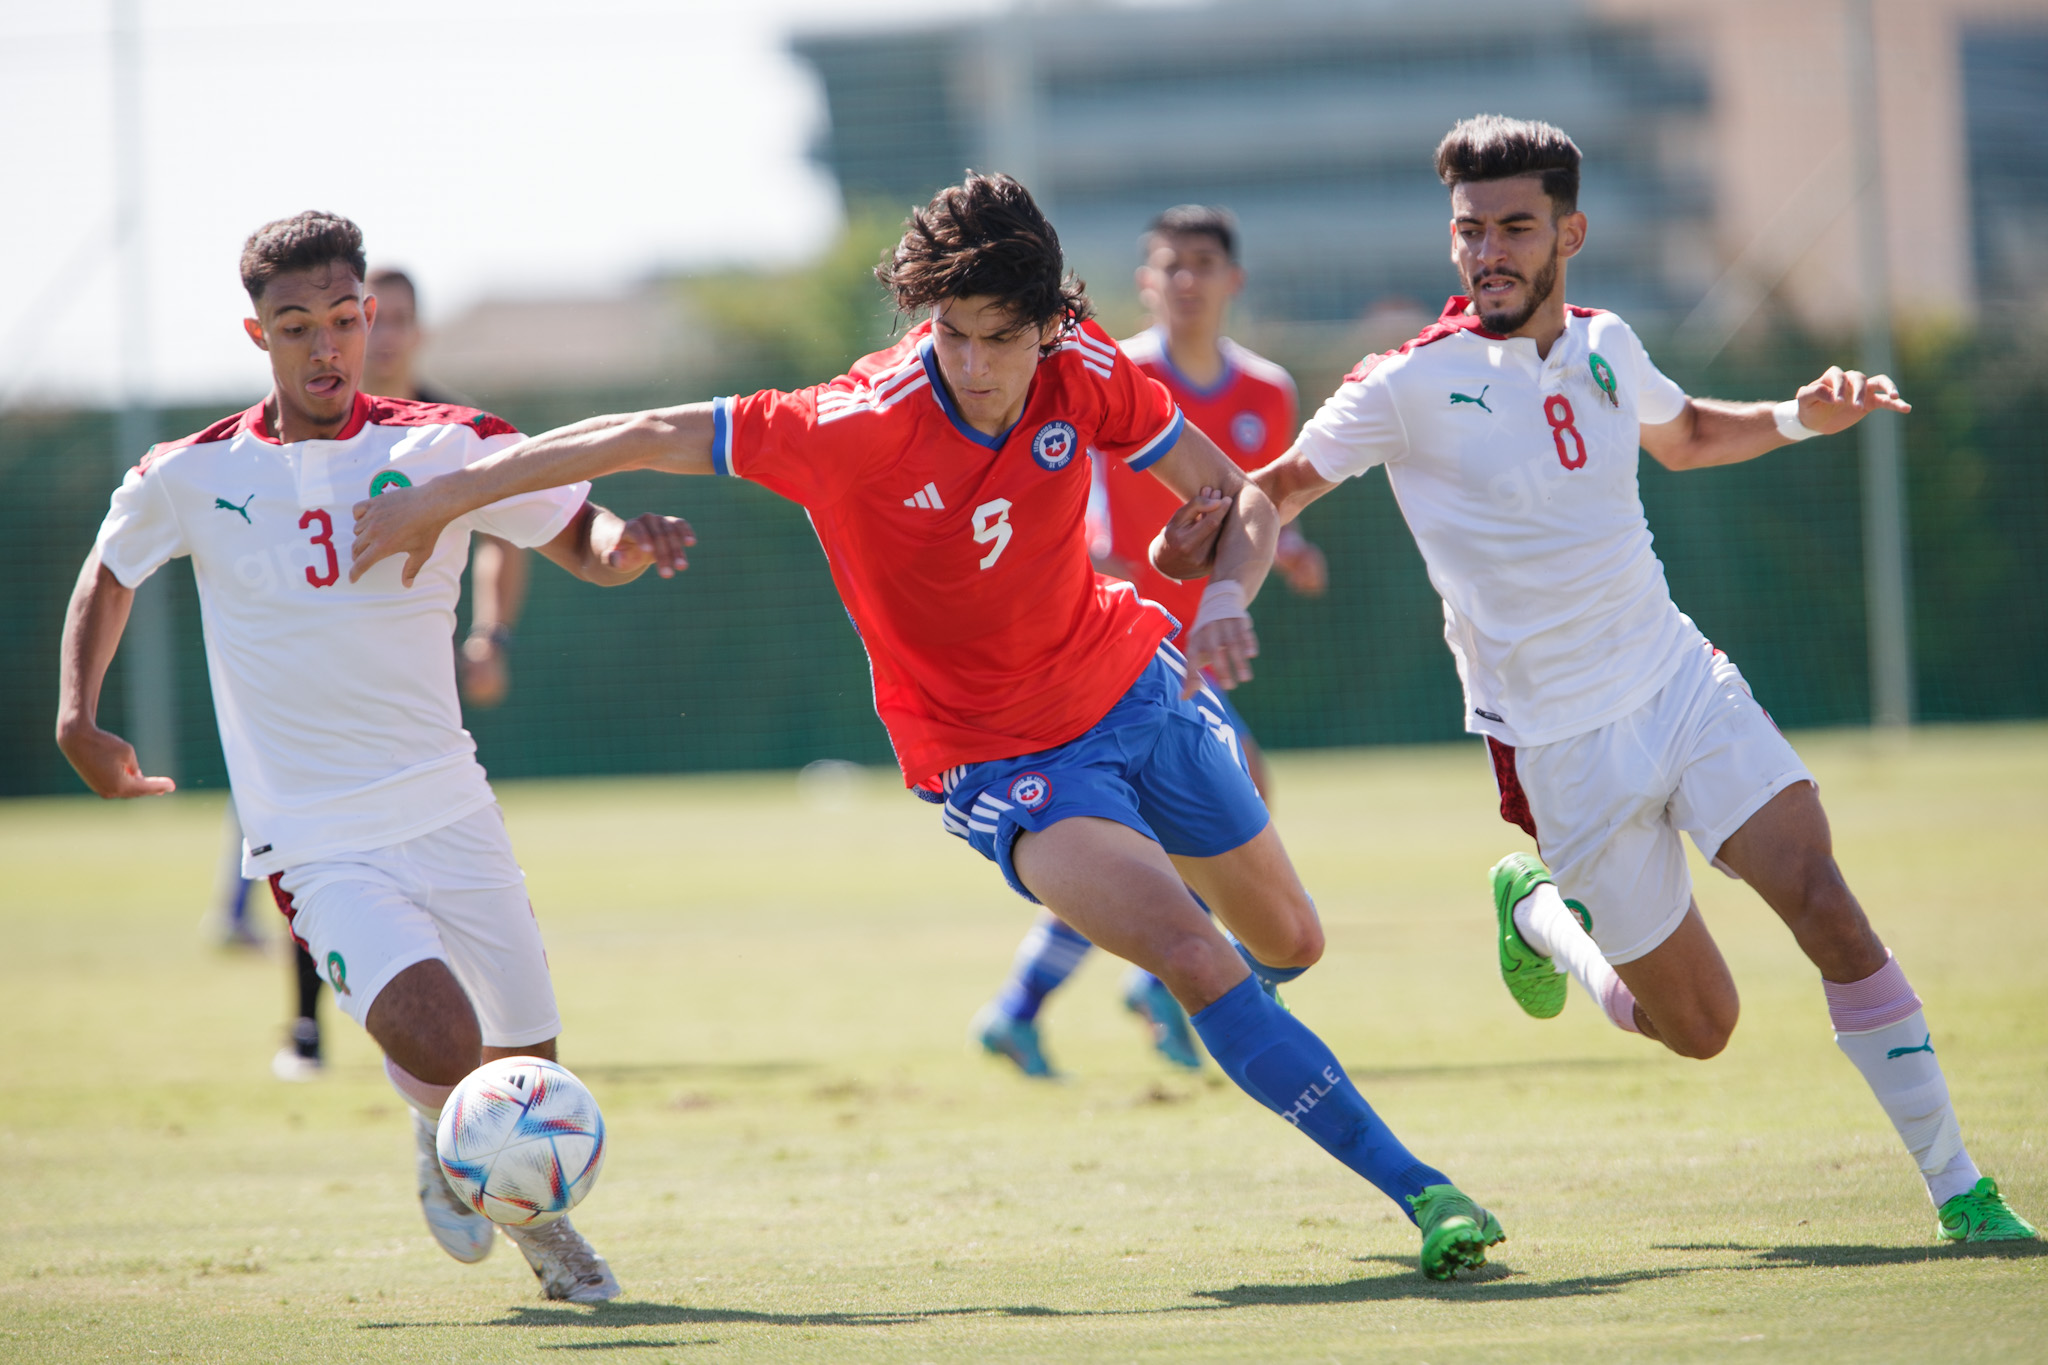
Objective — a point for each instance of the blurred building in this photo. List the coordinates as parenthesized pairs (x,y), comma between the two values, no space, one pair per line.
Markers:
(1719,161)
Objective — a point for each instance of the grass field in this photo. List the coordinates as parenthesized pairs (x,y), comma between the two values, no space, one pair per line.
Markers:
(769,992)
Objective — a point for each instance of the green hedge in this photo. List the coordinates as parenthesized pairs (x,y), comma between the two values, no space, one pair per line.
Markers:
(747,661)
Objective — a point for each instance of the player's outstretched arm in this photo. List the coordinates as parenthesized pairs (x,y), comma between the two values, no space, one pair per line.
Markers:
(600,547)
(92,631)
(1246,527)
(409,521)
(1711,431)
(1186,548)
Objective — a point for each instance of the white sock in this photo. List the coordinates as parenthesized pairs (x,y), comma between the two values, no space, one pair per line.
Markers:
(423,1097)
(1550,927)
(1880,1027)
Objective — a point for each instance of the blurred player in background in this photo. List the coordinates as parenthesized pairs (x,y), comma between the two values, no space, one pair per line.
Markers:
(1039,703)
(498,570)
(1246,405)
(360,791)
(497,577)
(1510,430)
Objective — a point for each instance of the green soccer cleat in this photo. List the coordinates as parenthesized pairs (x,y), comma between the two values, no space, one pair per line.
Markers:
(1455,1231)
(1982,1215)
(1531,978)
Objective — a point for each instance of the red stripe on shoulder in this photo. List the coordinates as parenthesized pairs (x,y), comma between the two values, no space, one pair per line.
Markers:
(1453,320)
(223,430)
(407,412)
(1579,312)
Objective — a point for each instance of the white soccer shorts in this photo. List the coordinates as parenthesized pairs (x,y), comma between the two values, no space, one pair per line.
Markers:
(1701,756)
(455,894)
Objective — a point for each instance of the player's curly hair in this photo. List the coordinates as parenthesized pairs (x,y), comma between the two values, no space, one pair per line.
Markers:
(1493,147)
(300,243)
(984,236)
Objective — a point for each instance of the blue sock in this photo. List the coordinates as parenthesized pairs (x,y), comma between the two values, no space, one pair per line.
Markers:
(1283,1066)
(1045,959)
(1272,976)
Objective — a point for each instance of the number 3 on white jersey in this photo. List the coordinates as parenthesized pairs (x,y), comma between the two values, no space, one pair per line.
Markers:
(992,523)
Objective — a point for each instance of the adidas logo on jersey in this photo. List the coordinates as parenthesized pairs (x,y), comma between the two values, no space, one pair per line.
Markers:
(927,497)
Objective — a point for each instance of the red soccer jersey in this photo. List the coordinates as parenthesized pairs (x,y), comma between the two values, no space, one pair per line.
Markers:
(963,558)
(1249,413)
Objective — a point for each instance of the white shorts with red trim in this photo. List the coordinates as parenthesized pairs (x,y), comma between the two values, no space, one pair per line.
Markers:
(456,895)
(1607,806)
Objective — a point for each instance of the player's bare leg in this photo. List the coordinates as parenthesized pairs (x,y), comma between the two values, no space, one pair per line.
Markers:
(1786,851)
(1123,891)
(431,1040)
(1685,997)
(1254,890)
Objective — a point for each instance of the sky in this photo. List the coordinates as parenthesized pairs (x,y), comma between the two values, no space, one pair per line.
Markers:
(491,147)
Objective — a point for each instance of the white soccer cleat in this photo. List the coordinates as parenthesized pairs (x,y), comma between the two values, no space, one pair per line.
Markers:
(462,1232)
(566,1265)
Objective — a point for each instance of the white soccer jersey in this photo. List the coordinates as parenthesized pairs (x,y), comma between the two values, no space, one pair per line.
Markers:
(336,700)
(1517,475)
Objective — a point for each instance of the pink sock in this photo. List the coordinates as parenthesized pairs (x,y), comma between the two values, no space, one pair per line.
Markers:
(1620,1003)
(425,1097)
(1884,997)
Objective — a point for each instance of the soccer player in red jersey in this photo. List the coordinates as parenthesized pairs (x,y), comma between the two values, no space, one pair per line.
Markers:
(1040,703)
(1246,405)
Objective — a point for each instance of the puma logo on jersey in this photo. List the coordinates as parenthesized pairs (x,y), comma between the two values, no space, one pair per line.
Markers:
(928,498)
(1926,1046)
(1457,398)
(242,511)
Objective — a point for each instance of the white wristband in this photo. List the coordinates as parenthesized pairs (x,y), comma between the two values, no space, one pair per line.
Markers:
(1786,415)
(1222,600)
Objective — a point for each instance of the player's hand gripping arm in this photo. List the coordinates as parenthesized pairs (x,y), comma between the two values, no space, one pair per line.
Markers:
(1187,546)
(1241,532)
(92,631)
(409,521)
(1711,431)
(600,547)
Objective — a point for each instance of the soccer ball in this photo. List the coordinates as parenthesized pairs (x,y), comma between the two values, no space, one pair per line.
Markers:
(521,1141)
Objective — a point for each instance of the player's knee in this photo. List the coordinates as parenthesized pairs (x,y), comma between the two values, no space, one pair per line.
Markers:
(448,1054)
(424,1022)
(1301,943)
(1702,1031)
(1196,966)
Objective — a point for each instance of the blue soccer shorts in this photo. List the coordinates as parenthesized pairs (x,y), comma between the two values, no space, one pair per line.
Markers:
(1170,769)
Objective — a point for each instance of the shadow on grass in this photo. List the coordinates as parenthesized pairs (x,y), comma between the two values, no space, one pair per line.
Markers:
(648,1314)
(1813,1256)
(1496,1284)
(1493,1282)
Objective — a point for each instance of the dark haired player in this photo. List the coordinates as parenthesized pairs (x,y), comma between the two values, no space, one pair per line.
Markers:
(358,788)
(1509,430)
(1246,405)
(947,478)
(497,578)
